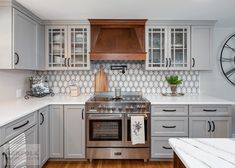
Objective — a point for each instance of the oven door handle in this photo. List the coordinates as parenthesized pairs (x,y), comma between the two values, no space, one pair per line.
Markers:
(105,116)
(145,115)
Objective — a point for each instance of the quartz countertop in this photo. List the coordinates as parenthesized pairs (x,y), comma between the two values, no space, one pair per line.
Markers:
(15,109)
(186,99)
(205,152)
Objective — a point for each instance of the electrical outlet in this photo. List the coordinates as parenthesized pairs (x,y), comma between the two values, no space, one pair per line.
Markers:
(18,93)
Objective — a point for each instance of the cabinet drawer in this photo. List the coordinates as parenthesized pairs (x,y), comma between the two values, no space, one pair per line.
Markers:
(160,148)
(169,126)
(169,110)
(16,127)
(210,110)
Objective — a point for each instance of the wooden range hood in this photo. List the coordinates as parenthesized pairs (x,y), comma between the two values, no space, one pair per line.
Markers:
(117,39)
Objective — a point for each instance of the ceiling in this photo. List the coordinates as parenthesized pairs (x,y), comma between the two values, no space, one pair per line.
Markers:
(221,10)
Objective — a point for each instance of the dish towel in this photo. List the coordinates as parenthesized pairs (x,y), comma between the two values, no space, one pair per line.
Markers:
(18,155)
(137,130)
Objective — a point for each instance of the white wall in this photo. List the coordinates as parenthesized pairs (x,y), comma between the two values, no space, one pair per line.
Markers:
(10,80)
(213,82)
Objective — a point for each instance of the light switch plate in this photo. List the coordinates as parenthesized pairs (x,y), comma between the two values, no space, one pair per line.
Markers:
(18,93)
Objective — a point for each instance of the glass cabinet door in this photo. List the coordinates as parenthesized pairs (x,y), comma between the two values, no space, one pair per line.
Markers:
(156,47)
(78,49)
(179,48)
(56,47)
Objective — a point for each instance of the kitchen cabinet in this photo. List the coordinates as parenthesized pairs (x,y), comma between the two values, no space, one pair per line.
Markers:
(56,131)
(210,127)
(210,121)
(4,156)
(31,136)
(67,47)
(167,121)
(43,135)
(18,32)
(74,131)
(168,47)
(201,44)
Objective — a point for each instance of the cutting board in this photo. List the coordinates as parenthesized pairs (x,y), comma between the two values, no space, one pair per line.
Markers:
(101,80)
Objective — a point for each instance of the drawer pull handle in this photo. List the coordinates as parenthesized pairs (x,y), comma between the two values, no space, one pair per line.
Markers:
(209,123)
(42,119)
(168,110)
(118,153)
(206,110)
(164,147)
(173,126)
(213,124)
(15,128)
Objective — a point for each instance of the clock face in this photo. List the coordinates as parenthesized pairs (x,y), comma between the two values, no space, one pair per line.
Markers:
(227,59)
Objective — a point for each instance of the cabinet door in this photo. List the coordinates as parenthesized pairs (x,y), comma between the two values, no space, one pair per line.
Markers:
(74,126)
(156,48)
(199,127)
(43,135)
(31,136)
(78,47)
(56,47)
(56,131)
(179,48)
(25,41)
(160,148)
(201,47)
(4,156)
(221,127)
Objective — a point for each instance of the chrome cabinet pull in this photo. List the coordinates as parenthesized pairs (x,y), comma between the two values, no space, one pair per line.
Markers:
(168,110)
(209,126)
(173,126)
(207,110)
(15,128)
(164,147)
(193,62)
(213,124)
(42,119)
(17,58)
(6,159)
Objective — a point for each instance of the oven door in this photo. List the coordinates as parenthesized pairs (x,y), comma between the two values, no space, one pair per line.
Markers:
(105,130)
(128,142)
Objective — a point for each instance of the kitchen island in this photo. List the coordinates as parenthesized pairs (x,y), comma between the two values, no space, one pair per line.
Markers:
(203,152)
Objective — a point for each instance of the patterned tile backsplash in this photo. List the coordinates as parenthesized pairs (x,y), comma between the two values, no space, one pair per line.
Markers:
(136,78)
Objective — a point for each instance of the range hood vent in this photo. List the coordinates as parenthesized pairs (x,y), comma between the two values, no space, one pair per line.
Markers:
(117,39)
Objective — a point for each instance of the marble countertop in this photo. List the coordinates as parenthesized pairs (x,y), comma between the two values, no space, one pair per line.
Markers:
(15,109)
(205,152)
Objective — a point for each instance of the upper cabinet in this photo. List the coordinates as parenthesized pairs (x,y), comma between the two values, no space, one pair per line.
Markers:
(19,35)
(201,51)
(67,47)
(168,48)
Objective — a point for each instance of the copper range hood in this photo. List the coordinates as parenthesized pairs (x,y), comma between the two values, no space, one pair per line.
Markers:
(117,39)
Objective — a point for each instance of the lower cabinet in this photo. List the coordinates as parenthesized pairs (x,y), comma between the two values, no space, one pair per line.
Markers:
(43,135)
(56,131)
(67,131)
(74,131)
(160,148)
(210,127)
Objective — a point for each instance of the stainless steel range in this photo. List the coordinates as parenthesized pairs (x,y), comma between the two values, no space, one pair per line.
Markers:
(109,126)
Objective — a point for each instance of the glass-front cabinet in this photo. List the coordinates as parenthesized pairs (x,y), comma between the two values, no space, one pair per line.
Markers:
(168,48)
(67,47)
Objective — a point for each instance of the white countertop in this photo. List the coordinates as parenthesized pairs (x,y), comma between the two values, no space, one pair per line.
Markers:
(12,110)
(204,153)
(186,99)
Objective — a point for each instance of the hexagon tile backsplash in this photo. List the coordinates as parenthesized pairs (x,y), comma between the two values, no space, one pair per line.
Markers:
(136,78)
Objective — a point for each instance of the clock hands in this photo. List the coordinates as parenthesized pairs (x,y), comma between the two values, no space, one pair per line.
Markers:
(227,46)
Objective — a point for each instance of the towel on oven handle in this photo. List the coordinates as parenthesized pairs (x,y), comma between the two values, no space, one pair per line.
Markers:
(137,130)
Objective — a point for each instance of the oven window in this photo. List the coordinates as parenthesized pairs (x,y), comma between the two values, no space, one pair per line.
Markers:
(108,130)
(129,129)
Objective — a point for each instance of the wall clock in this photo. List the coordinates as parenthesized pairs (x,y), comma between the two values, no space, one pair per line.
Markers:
(227,59)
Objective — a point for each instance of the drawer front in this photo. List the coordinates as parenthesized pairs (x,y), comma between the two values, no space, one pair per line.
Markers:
(169,110)
(210,110)
(160,148)
(169,126)
(15,128)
